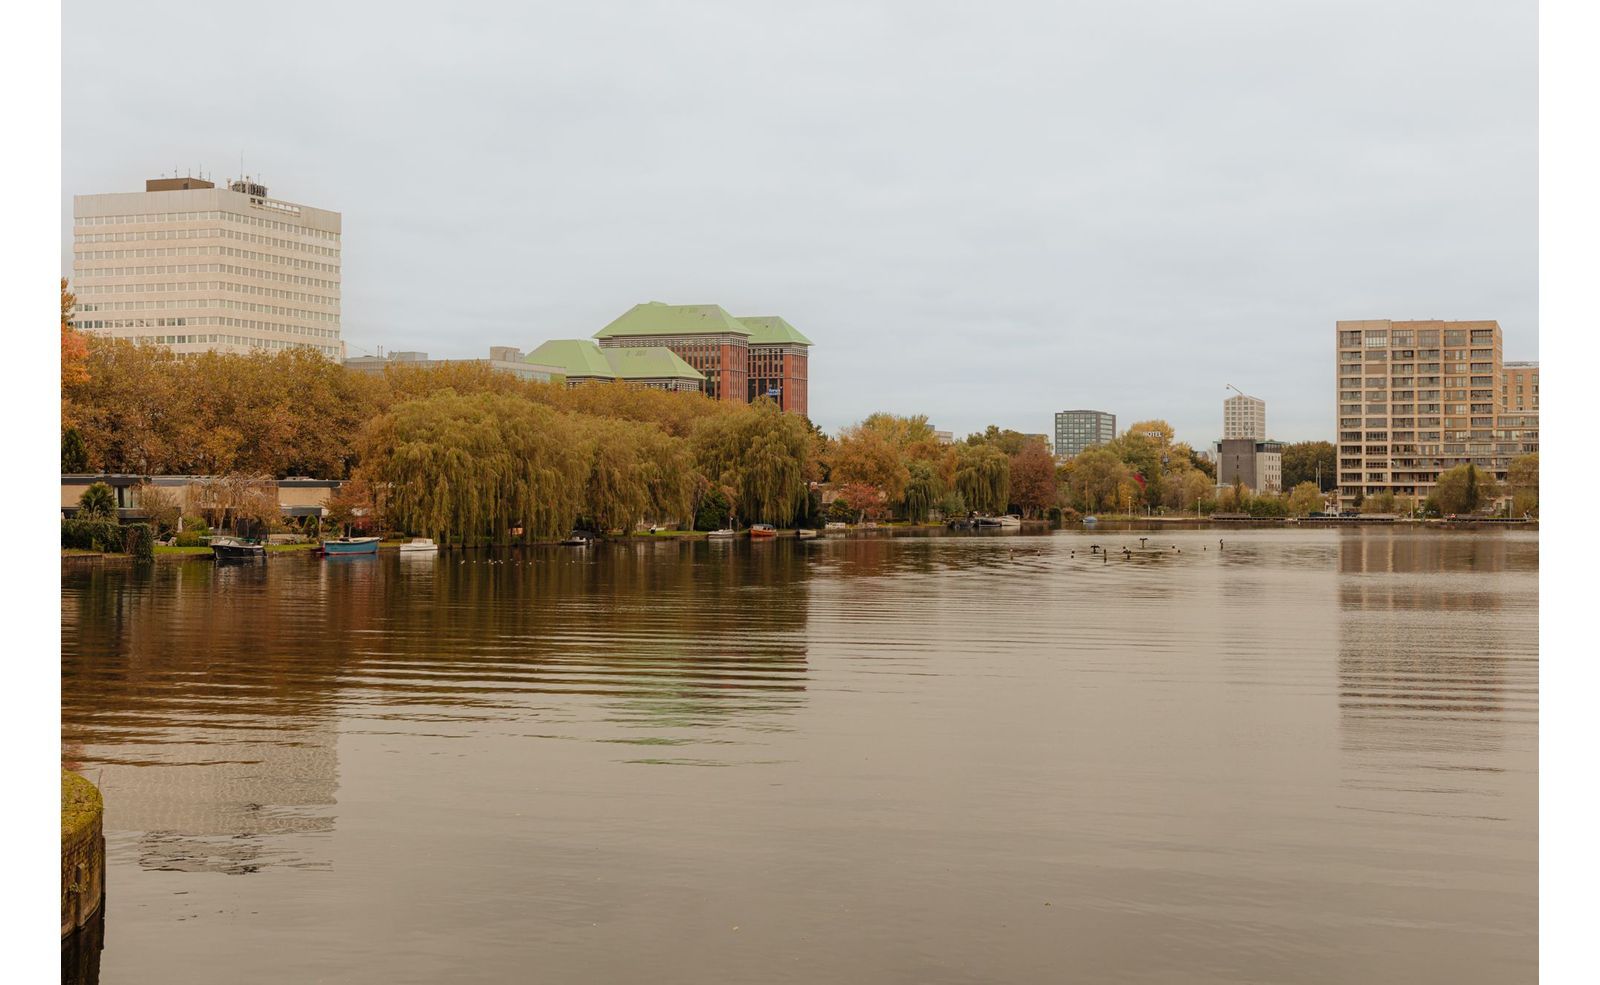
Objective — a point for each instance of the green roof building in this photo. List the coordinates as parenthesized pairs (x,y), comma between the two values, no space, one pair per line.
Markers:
(740,359)
(772,330)
(657,320)
(581,362)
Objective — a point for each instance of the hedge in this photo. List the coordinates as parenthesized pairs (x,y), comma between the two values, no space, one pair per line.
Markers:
(140,541)
(96,534)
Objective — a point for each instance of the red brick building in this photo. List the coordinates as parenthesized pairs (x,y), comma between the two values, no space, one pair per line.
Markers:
(778,355)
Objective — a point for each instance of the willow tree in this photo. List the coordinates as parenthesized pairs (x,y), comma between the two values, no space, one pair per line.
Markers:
(470,469)
(983,477)
(636,471)
(1033,478)
(758,454)
(923,490)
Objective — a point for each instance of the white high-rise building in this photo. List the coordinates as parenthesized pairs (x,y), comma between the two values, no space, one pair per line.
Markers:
(1244,417)
(194,267)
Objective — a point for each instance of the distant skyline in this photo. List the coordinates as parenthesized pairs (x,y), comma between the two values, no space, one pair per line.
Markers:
(983,215)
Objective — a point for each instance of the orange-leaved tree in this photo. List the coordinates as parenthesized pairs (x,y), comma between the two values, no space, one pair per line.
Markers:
(74,353)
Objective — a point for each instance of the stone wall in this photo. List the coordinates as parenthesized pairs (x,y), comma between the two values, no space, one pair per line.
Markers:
(83,852)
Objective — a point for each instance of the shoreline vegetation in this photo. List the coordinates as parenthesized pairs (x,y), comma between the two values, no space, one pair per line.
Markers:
(469,456)
(1110,522)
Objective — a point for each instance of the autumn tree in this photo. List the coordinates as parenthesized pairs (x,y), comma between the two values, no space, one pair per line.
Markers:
(1008,441)
(868,455)
(1033,478)
(1186,488)
(466,469)
(1464,489)
(1304,498)
(1094,477)
(161,505)
(1307,461)
(901,432)
(74,354)
(923,491)
(226,499)
(983,477)
(759,453)
(354,500)
(1146,448)
(865,501)
(1522,481)
(636,471)
(1382,502)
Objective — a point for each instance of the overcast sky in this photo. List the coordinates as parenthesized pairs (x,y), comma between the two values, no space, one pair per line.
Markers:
(981,212)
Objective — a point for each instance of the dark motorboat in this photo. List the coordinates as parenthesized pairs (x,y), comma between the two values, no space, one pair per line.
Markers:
(236,549)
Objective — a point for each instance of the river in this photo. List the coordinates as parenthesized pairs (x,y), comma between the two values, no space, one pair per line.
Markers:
(1291,755)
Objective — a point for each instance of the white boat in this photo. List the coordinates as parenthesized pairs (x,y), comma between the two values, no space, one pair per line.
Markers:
(1010,521)
(419,545)
(806,533)
(723,534)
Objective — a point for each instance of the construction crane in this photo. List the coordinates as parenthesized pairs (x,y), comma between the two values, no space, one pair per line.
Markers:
(1230,386)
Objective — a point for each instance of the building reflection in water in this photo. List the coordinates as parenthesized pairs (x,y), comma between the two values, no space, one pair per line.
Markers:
(1438,662)
(208,700)
(652,635)
(200,704)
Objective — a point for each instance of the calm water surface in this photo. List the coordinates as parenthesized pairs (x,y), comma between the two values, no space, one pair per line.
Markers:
(1308,757)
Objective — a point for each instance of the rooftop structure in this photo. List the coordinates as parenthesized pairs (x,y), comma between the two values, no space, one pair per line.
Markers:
(502,358)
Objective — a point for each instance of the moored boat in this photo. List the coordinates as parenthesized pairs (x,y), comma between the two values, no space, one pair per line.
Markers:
(761,531)
(235,549)
(1010,521)
(725,533)
(419,545)
(805,533)
(350,545)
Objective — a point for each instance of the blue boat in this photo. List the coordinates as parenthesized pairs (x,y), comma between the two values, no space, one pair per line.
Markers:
(350,545)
